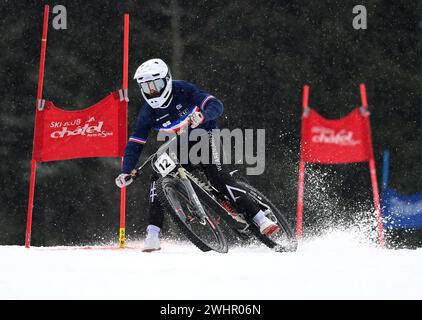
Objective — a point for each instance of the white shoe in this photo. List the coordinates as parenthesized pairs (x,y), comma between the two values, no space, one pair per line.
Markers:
(268,227)
(152,243)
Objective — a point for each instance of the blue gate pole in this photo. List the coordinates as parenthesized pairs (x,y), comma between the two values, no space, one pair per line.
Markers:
(385,170)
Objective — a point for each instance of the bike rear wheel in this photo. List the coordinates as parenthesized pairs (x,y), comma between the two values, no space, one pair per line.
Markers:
(285,240)
(206,235)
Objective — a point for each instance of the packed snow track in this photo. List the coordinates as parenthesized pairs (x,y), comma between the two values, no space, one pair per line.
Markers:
(335,266)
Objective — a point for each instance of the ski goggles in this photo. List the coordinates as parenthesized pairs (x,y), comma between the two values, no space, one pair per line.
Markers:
(153,88)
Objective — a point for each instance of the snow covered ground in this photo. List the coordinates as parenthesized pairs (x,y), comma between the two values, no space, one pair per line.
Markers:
(335,266)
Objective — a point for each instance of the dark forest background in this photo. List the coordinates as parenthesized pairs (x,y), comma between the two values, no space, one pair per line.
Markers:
(254,55)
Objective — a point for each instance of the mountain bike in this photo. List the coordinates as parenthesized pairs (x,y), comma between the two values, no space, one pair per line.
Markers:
(198,208)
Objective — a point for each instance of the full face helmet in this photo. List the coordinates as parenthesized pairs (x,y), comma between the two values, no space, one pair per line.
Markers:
(154,80)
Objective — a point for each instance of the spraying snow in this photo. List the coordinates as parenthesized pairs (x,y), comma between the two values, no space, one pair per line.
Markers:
(338,265)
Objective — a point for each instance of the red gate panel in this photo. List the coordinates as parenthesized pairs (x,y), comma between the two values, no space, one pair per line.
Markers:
(335,141)
(97,131)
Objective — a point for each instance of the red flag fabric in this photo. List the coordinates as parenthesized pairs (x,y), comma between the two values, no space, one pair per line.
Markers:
(328,141)
(97,131)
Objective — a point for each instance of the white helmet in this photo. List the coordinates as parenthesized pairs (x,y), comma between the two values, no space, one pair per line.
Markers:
(154,80)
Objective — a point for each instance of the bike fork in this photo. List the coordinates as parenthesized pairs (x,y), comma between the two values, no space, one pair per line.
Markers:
(193,198)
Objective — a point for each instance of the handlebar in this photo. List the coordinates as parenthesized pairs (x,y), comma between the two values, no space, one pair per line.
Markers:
(136,172)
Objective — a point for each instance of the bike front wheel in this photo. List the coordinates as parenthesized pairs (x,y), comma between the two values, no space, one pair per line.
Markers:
(205,234)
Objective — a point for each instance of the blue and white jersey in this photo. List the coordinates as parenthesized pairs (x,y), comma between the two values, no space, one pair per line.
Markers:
(187,98)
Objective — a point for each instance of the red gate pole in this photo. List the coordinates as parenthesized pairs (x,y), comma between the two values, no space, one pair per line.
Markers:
(30,204)
(372,170)
(301,182)
(122,229)
(33,162)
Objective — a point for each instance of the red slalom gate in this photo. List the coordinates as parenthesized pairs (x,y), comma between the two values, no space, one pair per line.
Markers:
(97,131)
(345,140)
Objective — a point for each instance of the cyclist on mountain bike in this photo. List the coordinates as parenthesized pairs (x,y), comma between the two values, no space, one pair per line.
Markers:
(169,106)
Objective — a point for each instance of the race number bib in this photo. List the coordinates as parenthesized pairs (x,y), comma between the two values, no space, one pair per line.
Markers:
(164,164)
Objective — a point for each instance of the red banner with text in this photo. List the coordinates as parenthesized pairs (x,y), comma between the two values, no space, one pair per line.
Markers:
(328,141)
(97,131)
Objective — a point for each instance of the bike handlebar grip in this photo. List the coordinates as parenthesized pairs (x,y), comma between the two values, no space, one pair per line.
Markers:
(133,174)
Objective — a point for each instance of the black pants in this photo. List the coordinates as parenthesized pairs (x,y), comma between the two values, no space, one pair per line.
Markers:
(219,176)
